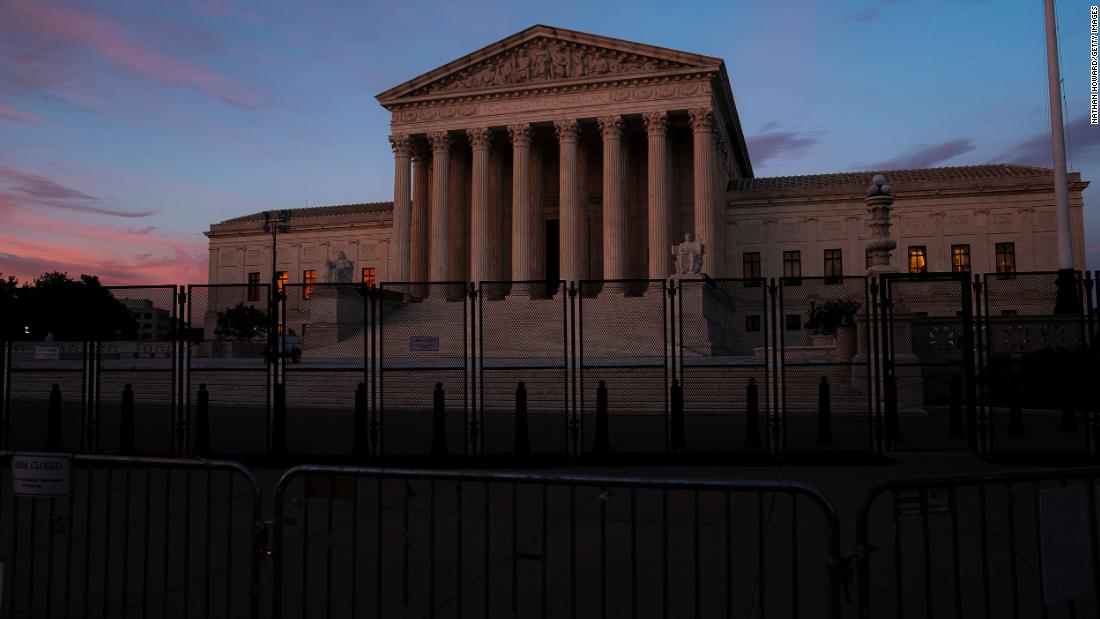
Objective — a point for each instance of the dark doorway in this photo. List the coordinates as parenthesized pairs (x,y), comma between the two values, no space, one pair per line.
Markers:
(553,254)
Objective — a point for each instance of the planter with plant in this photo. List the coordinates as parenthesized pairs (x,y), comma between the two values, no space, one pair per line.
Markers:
(835,319)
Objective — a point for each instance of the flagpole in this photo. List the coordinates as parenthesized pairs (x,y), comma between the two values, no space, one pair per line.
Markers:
(1058,138)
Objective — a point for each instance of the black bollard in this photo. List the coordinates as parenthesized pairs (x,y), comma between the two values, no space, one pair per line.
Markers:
(279,448)
(522,445)
(824,413)
(601,445)
(53,420)
(956,428)
(676,423)
(439,421)
(126,422)
(752,415)
(1015,410)
(360,447)
(202,421)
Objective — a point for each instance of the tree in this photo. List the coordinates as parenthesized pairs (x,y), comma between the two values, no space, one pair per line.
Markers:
(70,310)
(242,323)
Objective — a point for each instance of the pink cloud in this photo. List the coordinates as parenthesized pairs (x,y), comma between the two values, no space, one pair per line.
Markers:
(107,39)
(10,112)
(24,190)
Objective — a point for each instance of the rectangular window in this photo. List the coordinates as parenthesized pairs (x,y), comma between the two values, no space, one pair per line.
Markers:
(1006,257)
(369,276)
(280,281)
(960,258)
(309,280)
(752,322)
(751,265)
(918,259)
(834,267)
(792,267)
(254,286)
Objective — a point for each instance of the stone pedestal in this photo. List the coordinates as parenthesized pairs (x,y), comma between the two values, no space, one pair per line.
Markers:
(337,309)
(709,320)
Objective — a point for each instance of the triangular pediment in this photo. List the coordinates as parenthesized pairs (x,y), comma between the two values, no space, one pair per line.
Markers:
(541,56)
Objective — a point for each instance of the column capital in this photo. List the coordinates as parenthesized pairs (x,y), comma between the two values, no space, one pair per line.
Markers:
(567,130)
(655,122)
(702,120)
(480,137)
(611,127)
(420,150)
(401,145)
(440,141)
(520,134)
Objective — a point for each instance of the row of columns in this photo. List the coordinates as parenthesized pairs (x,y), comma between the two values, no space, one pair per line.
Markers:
(430,219)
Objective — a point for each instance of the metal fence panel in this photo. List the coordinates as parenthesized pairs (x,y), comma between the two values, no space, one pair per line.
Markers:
(521,339)
(999,545)
(399,542)
(1036,365)
(825,364)
(227,349)
(723,353)
(928,367)
(136,536)
(623,343)
(425,342)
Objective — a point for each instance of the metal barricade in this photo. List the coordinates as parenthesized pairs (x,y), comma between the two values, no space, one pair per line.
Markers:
(1018,544)
(403,542)
(133,536)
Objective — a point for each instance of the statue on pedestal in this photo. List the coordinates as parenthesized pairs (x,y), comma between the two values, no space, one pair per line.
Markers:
(341,270)
(688,258)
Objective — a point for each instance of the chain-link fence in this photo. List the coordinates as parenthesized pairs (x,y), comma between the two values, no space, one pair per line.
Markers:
(424,370)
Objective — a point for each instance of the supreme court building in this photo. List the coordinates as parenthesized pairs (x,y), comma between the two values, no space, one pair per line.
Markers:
(554,154)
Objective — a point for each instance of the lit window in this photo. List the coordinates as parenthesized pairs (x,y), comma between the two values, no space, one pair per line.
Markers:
(792,264)
(918,259)
(1006,257)
(960,258)
(369,276)
(254,286)
(834,267)
(309,280)
(280,281)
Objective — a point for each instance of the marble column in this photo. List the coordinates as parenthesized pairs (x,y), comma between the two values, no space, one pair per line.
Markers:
(458,189)
(523,208)
(402,209)
(572,213)
(707,227)
(418,235)
(538,218)
(439,229)
(660,197)
(614,206)
(481,244)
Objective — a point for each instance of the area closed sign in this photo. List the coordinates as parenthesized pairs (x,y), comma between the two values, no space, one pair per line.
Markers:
(41,475)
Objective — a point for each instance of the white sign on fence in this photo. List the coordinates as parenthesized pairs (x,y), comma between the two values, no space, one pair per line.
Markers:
(1064,539)
(41,475)
(424,343)
(46,352)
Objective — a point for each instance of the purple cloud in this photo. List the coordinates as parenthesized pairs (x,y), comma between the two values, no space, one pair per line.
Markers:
(926,155)
(1081,140)
(21,189)
(773,143)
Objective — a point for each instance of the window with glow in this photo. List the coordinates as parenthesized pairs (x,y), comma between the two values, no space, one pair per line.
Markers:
(369,277)
(1006,257)
(960,258)
(309,280)
(280,281)
(918,259)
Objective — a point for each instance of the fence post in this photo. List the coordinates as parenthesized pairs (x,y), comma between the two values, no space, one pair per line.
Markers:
(279,448)
(439,421)
(126,421)
(824,413)
(678,443)
(601,445)
(752,415)
(522,445)
(202,421)
(53,428)
(360,448)
(956,428)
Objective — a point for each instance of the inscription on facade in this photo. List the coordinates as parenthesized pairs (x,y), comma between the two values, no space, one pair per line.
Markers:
(546,103)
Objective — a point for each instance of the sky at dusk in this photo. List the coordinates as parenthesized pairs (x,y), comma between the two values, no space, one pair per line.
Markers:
(126,128)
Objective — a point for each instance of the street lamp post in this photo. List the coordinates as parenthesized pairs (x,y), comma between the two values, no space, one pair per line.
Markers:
(274,223)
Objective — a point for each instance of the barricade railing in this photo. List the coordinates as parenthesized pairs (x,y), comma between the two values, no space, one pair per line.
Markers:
(88,535)
(1017,544)
(410,542)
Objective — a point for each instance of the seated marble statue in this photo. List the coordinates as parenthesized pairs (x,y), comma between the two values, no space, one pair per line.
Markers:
(341,270)
(688,256)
